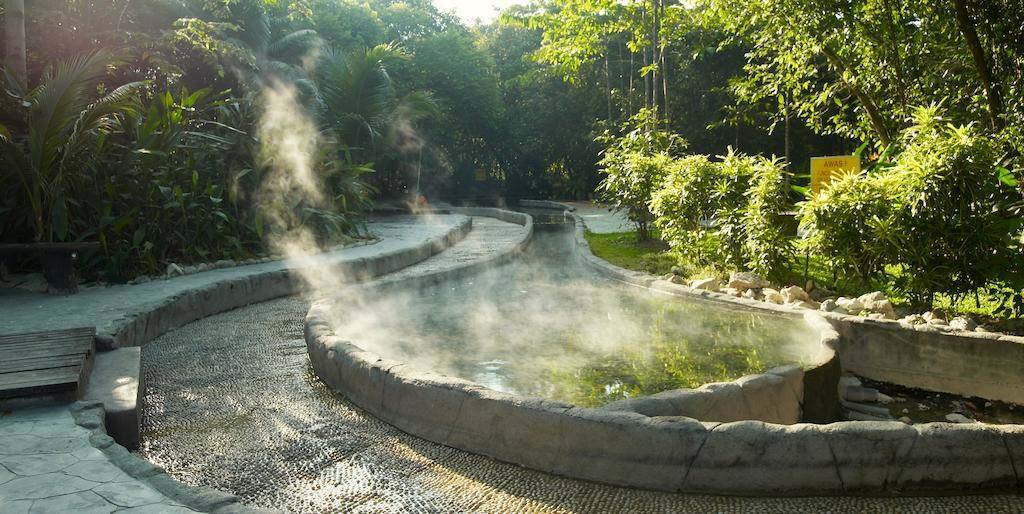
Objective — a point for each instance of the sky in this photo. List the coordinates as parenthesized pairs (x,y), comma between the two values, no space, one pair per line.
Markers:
(471,10)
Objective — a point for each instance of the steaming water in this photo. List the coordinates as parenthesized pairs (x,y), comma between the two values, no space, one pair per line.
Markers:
(546,326)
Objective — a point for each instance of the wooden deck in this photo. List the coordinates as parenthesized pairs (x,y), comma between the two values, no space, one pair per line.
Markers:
(46,362)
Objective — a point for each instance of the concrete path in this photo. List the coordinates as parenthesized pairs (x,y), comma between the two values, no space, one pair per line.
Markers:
(601,219)
(48,464)
(105,307)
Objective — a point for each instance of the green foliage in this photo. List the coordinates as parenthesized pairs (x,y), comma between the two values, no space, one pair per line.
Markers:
(634,165)
(726,212)
(949,233)
(937,214)
(768,248)
(66,128)
(841,223)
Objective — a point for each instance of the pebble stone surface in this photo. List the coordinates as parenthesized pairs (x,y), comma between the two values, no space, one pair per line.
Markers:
(231,402)
(48,465)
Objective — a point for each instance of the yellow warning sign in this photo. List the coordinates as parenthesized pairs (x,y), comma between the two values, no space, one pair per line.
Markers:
(825,169)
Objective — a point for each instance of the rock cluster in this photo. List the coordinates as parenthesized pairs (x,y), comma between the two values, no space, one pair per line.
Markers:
(874,305)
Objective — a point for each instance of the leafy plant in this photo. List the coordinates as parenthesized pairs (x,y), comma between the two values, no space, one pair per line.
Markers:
(635,165)
(66,129)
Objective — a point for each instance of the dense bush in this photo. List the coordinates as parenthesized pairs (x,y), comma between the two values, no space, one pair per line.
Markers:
(841,224)
(725,212)
(634,165)
(936,216)
(950,233)
(768,248)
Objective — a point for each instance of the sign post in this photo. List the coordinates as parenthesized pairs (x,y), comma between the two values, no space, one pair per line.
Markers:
(826,169)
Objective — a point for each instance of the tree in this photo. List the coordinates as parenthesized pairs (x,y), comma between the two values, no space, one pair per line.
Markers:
(14,43)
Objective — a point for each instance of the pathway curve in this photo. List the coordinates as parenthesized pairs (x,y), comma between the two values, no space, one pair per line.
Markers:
(106,307)
(232,403)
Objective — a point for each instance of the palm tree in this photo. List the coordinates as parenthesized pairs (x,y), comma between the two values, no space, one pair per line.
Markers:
(64,129)
(359,101)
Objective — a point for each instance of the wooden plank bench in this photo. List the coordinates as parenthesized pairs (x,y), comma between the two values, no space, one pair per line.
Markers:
(58,261)
(54,362)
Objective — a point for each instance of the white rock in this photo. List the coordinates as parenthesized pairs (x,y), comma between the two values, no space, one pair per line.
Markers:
(828,305)
(849,381)
(732,291)
(773,296)
(876,296)
(794,294)
(173,270)
(914,319)
(876,315)
(753,294)
(930,315)
(962,323)
(707,284)
(812,305)
(956,417)
(745,280)
(906,420)
(852,305)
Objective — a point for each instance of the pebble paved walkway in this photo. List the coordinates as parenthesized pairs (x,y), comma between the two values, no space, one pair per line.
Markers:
(232,403)
(48,465)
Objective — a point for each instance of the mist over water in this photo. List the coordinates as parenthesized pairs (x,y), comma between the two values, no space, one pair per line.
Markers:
(545,326)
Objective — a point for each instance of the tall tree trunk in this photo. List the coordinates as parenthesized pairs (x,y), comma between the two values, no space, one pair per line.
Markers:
(14,45)
(787,111)
(664,70)
(655,58)
(967,27)
(608,80)
(632,90)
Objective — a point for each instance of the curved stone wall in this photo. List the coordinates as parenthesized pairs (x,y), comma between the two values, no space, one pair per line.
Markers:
(224,295)
(671,452)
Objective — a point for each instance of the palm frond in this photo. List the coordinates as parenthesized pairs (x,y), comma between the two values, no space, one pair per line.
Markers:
(294,46)
(58,101)
(97,115)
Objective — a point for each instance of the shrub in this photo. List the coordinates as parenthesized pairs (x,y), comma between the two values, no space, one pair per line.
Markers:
(768,248)
(635,164)
(950,234)
(725,212)
(841,220)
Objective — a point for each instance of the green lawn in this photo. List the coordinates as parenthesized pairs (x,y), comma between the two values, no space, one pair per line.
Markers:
(655,257)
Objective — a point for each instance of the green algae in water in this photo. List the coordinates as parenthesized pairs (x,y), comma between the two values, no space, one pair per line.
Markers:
(578,339)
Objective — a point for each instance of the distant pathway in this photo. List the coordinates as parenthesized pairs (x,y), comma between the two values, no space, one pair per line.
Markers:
(105,307)
(232,403)
(601,219)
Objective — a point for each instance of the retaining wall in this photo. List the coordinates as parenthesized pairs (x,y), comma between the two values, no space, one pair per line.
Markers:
(231,293)
(667,452)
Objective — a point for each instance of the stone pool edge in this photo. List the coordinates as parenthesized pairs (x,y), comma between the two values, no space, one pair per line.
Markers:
(670,453)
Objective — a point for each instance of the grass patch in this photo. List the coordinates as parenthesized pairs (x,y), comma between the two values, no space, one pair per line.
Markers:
(624,250)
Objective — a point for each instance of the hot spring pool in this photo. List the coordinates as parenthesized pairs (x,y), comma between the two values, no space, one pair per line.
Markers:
(546,326)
